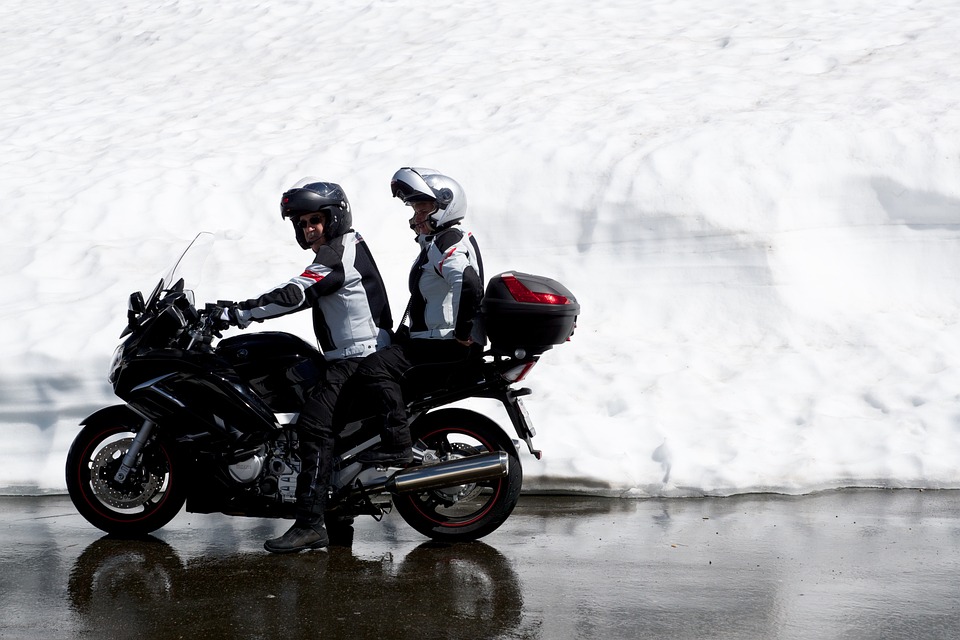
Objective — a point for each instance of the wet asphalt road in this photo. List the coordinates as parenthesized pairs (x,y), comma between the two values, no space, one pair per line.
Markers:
(850,564)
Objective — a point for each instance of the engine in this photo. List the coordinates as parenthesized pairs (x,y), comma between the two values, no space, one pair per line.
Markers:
(275,472)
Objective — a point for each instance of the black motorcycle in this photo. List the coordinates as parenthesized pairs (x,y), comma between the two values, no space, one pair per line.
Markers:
(210,422)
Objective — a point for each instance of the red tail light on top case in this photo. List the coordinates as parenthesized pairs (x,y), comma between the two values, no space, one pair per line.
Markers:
(521,293)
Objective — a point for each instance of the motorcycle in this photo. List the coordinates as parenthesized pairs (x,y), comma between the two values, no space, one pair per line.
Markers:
(209,422)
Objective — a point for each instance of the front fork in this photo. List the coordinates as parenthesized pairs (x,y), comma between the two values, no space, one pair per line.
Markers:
(130,458)
(518,415)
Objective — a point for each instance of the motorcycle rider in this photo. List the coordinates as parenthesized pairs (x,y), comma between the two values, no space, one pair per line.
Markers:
(446,286)
(351,319)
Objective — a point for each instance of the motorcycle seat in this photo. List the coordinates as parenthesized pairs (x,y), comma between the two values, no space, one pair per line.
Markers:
(428,379)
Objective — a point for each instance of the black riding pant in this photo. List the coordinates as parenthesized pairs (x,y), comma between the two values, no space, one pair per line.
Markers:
(315,431)
(377,382)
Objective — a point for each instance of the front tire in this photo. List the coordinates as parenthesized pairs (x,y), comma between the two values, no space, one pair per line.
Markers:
(153,493)
(470,511)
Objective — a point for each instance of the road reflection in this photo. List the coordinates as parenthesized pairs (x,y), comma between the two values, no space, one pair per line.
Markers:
(142,588)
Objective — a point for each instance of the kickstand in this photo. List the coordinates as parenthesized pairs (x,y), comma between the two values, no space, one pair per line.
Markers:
(375,512)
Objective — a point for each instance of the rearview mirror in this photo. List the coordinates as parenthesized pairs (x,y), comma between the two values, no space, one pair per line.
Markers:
(136,305)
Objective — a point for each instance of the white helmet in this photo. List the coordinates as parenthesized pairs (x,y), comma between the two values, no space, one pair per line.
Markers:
(414,184)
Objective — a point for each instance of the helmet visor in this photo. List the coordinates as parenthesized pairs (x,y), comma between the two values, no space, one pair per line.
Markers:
(299,201)
(409,186)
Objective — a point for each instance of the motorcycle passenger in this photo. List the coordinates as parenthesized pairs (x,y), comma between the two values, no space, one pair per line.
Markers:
(351,319)
(446,286)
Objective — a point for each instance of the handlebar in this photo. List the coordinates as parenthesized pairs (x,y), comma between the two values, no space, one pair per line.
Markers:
(208,326)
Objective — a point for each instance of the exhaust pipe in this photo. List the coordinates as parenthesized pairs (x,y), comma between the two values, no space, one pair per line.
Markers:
(487,466)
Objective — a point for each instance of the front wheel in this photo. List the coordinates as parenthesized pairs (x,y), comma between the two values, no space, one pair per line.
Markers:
(468,511)
(149,498)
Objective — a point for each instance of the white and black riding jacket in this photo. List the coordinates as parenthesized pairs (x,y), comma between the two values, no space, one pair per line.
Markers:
(351,312)
(446,287)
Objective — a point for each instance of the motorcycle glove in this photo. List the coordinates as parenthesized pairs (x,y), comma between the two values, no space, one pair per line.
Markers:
(231,315)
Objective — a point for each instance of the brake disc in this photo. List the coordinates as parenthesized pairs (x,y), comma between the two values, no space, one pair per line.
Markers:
(135,492)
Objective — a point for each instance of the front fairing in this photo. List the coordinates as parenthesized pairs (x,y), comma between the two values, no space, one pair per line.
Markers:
(162,324)
(196,396)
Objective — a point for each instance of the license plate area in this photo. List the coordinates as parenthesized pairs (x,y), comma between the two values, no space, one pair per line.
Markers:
(525,417)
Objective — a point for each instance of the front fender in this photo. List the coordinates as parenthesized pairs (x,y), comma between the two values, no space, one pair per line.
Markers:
(116,412)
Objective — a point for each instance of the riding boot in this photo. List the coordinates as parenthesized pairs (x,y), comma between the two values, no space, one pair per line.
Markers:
(339,529)
(387,457)
(308,530)
(303,535)
(395,448)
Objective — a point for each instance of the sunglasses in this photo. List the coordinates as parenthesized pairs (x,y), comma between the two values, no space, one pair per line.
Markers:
(311,222)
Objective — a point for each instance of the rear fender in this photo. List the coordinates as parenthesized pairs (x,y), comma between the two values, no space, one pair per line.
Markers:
(518,416)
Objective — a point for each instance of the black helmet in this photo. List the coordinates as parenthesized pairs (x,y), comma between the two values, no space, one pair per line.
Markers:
(311,195)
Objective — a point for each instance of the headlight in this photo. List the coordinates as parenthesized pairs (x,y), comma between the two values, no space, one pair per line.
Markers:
(115,364)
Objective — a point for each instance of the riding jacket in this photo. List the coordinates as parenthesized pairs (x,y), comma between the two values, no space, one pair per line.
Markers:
(446,287)
(351,312)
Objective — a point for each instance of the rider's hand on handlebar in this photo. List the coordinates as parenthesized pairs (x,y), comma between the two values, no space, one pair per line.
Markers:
(230,313)
(213,314)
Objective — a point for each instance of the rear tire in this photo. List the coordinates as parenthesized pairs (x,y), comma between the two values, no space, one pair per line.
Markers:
(153,493)
(470,511)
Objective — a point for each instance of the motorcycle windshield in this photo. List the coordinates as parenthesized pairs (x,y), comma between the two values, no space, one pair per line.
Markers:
(184,273)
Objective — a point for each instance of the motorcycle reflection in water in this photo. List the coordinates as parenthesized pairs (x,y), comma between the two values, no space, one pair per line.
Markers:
(124,588)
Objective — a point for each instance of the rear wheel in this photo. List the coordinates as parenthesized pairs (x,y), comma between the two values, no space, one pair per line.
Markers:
(467,511)
(149,498)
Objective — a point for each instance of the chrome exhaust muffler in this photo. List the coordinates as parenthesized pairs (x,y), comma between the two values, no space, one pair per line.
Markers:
(485,466)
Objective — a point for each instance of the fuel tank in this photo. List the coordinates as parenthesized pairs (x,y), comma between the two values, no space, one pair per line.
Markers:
(280,367)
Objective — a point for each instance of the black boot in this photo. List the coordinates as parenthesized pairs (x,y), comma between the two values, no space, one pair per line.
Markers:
(398,457)
(301,536)
(339,530)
